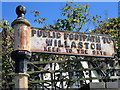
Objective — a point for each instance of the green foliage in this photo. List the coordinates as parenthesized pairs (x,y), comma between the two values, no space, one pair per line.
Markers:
(38,19)
(77,18)
(112,28)
(7,48)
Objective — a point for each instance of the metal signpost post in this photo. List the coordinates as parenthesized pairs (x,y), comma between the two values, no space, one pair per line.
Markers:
(21,52)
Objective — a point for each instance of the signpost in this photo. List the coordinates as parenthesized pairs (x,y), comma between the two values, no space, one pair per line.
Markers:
(63,42)
(28,39)
(22,55)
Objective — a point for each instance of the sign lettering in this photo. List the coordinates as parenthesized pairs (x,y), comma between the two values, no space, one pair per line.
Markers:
(71,43)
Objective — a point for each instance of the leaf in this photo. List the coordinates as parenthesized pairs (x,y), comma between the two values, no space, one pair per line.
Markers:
(43,19)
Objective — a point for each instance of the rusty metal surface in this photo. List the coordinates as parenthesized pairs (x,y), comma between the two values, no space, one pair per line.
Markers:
(71,44)
(22,37)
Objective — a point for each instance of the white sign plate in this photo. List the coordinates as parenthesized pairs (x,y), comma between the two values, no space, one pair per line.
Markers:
(71,43)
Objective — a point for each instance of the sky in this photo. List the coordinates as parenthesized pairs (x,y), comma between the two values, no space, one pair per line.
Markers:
(52,10)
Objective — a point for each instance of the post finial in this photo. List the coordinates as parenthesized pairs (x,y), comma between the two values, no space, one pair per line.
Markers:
(21,11)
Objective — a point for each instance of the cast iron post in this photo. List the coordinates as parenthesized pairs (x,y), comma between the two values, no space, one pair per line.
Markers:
(21,53)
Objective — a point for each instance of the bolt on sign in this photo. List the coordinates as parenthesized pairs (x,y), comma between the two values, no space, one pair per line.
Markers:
(63,42)
(71,43)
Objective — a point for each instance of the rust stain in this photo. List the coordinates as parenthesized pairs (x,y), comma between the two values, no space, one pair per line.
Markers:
(24,38)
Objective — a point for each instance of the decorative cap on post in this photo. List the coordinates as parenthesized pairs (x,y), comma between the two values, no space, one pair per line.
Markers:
(21,11)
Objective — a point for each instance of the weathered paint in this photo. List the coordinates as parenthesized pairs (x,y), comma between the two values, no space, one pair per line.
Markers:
(38,44)
(21,81)
(22,37)
(22,34)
